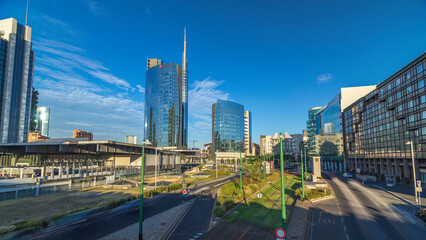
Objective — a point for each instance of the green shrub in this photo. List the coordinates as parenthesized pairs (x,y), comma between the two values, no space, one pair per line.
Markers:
(254,188)
(229,189)
(313,194)
(7,229)
(34,224)
(421,214)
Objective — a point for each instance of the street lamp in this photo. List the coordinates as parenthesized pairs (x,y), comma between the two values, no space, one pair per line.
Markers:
(414,169)
(156,164)
(241,176)
(283,210)
(306,165)
(141,196)
(303,181)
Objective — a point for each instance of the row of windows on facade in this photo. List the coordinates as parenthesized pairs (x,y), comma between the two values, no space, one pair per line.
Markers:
(408,90)
(398,95)
(408,75)
(419,69)
(411,118)
(400,108)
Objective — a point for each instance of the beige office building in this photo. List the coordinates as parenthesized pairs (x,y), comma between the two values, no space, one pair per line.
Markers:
(247,132)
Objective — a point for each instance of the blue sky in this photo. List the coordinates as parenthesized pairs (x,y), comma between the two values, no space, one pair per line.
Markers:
(277,58)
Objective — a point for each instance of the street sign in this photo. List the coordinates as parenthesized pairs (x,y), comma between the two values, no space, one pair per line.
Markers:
(280,233)
(259,195)
(184,191)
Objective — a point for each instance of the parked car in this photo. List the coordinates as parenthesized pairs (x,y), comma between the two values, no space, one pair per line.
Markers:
(347,175)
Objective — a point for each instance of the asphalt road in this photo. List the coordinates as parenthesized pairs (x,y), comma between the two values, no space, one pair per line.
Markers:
(358,213)
(197,221)
(104,223)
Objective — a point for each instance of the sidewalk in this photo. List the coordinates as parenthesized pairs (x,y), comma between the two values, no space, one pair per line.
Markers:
(297,227)
(154,227)
(402,191)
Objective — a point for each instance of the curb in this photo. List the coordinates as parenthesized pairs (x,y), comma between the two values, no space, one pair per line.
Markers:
(173,227)
(308,228)
(419,221)
(322,198)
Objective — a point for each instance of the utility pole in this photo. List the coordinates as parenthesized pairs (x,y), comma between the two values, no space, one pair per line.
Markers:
(283,210)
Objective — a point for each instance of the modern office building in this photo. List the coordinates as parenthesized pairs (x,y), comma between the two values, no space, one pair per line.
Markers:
(327,140)
(82,134)
(16,77)
(378,126)
(247,132)
(133,139)
(166,103)
(312,129)
(227,127)
(42,120)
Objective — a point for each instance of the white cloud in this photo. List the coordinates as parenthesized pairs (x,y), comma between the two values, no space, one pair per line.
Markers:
(70,83)
(324,78)
(203,94)
(140,89)
(109,78)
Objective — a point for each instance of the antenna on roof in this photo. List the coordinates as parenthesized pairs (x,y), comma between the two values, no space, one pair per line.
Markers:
(26,14)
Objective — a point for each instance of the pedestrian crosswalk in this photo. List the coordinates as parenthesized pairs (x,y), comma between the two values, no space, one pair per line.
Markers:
(197,235)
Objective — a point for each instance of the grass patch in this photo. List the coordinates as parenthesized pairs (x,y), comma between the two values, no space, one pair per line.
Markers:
(264,211)
(313,194)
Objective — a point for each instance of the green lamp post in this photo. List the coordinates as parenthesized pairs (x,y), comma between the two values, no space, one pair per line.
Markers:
(303,181)
(241,175)
(283,210)
(141,196)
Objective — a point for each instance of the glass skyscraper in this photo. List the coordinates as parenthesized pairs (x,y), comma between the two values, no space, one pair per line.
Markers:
(42,120)
(166,103)
(16,75)
(227,126)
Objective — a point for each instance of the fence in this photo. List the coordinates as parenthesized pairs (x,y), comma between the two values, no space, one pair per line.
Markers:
(42,189)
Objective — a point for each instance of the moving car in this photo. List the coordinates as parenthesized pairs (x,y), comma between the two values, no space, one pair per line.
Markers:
(347,175)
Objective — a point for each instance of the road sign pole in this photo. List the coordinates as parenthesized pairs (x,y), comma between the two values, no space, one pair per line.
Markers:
(141,196)
(241,175)
(303,181)
(283,210)
(264,164)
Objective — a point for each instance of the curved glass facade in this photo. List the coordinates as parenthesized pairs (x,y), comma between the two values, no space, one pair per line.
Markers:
(228,126)
(163,105)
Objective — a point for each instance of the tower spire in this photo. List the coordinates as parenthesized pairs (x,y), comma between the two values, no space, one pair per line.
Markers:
(184,51)
(26,14)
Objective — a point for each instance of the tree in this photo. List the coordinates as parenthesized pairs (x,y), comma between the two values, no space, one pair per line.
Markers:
(34,102)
